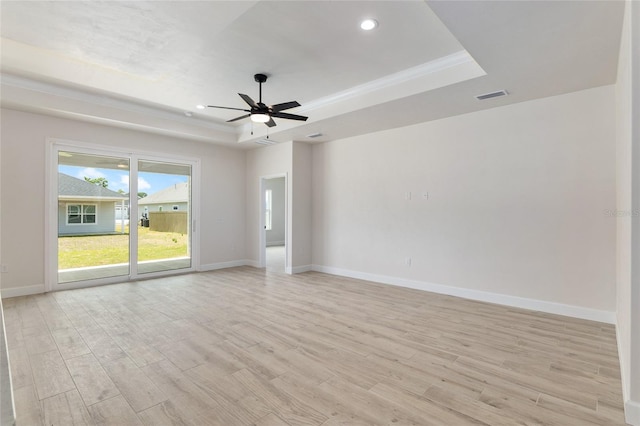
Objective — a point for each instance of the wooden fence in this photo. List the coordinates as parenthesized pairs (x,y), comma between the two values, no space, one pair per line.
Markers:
(168,222)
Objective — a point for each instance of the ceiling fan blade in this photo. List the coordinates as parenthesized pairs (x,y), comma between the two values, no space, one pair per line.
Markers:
(284,105)
(239,118)
(235,109)
(289,116)
(248,100)
(270,123)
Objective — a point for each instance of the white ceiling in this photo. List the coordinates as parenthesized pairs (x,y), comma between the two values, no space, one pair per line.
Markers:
(144,64)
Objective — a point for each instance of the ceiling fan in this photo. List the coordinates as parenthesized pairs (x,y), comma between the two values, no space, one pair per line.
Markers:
(262,113)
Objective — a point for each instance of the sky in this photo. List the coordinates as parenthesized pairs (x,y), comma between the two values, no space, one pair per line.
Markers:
(119,179)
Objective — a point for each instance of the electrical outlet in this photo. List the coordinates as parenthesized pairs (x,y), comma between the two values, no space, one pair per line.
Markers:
(407,261)
(4,269)
(407,195)
(425,195)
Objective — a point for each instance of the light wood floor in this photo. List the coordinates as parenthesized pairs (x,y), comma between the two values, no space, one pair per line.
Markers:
(243,346)
(276,259)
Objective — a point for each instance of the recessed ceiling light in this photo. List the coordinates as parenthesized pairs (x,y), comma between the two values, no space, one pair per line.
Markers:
(368,24)
(200,106)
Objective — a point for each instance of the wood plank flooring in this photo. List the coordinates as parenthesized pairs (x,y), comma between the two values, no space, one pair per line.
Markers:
(245,346)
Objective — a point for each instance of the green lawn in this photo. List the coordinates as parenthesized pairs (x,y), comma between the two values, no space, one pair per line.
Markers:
(81,251)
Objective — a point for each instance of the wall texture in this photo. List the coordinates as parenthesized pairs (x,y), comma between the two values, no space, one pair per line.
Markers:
(24,144)
(262,162)
(623,192)
(510,201)
(292,159)
(300,223)
(628,210)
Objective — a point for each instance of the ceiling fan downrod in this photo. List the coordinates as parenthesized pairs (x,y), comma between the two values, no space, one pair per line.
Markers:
(260,78)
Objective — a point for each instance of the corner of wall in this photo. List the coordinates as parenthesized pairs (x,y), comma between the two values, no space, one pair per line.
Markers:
(632,412)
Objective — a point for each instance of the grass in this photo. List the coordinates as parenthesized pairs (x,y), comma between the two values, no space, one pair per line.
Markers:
(96,250)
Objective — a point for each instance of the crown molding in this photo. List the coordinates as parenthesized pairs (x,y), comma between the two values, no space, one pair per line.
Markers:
(447,70)
(82,104)
(110,101)
(423,70)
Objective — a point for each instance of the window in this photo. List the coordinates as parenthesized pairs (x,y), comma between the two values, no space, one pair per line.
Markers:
(268,204)
(78,214)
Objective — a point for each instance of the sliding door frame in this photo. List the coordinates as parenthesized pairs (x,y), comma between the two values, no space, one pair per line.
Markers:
(55,145)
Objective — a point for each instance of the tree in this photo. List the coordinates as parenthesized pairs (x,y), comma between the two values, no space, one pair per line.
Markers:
(142,194)
(100,181)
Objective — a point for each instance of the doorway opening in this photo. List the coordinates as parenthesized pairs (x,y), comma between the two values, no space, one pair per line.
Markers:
(274,226)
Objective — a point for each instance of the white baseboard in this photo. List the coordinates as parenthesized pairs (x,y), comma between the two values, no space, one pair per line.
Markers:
(253,263)
(22,291)
(501,299)
(631,408)
(623,372)
(298,269)
(483,296)
(632,412)
(223,265)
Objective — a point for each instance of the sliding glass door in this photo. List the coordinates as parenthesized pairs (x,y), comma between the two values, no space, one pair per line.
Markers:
(164,241)
(119,216)
(93,222)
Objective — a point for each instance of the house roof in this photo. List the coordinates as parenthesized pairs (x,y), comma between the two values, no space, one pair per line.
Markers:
(71,187)
(176,193)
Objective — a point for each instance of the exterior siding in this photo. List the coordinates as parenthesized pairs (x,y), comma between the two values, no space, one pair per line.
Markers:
(166,207)
(105,220)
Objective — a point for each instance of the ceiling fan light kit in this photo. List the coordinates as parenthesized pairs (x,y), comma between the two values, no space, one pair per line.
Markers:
(261,112)
(260,118)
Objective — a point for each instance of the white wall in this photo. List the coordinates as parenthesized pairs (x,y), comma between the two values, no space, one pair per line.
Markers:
(294,160)
(623,192)
(633,405)
(262,162)
(628,210)
(23,190)
(301,221)
(275,236)
(515,211)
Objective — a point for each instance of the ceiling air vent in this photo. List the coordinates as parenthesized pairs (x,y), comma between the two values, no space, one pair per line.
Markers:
(492,95)
(314,135)
(265,141)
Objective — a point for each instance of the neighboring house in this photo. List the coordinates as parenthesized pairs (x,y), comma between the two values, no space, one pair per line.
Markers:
(173,198)
(120,208)
(86,208)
